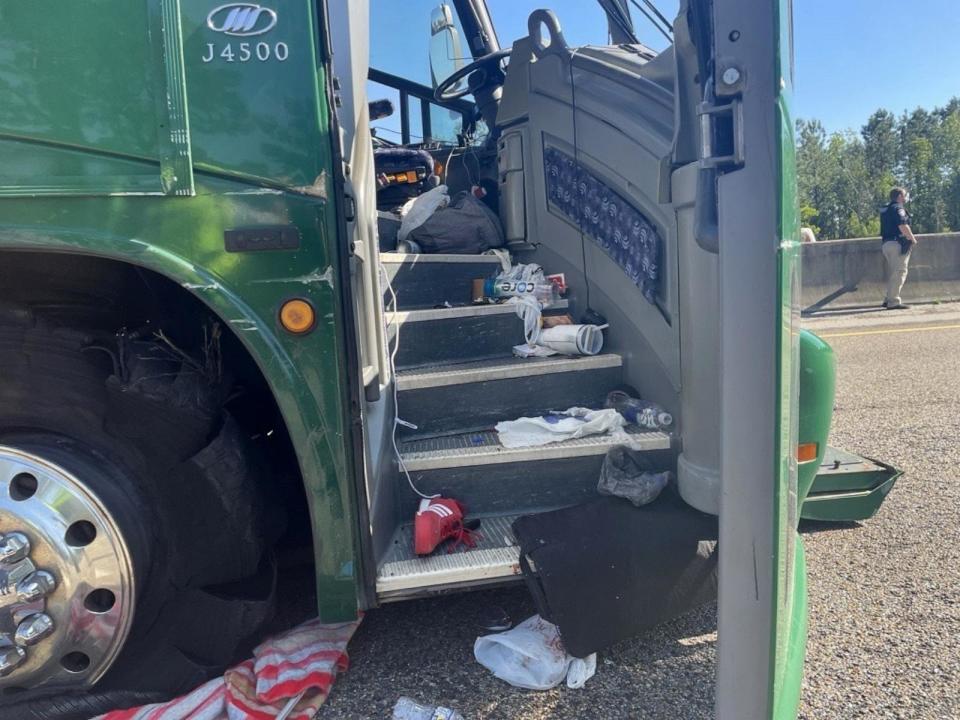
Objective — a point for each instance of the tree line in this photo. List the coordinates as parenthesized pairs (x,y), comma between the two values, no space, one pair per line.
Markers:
(844,178)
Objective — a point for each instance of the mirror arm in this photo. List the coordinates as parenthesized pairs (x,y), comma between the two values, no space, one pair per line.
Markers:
(477,27)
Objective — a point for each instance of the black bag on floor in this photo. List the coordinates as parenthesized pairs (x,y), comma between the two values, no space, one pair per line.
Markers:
(465,227)
(606,570)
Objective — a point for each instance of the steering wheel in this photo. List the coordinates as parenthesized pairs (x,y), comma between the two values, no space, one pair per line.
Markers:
(445,90)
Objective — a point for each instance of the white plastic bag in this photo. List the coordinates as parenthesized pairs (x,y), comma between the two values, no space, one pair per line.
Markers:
(532,656)
(581,670)
(528,310)
(416,211)
(555,427)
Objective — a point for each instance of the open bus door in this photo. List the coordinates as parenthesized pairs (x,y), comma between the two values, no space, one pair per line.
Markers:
(762,612)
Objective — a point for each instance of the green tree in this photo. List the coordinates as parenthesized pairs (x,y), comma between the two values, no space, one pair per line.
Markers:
(924,182)
(844,179)
(953,201)
(880,143)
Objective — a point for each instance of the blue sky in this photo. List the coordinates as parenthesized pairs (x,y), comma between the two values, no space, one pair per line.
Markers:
(851,56)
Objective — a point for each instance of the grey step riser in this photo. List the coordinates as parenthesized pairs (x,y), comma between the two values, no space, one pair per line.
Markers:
(518,487)
(429,284)
(458,339)
(479,405)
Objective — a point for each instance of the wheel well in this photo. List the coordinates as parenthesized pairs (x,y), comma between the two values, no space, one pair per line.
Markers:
(105,296)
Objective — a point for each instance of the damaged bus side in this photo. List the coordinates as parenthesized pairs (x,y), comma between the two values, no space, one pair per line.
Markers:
(222,342)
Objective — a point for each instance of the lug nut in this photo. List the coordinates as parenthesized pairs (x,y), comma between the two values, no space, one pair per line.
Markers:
(35,586)
(14,547)
(34,629)
(10,658)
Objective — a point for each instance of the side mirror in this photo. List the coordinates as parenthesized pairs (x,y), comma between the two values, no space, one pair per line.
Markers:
(446,48)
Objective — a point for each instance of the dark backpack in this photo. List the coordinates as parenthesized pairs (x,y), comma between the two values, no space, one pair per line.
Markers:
(465,227)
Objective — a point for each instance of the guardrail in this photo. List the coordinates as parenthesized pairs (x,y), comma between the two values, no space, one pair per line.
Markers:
(851,273)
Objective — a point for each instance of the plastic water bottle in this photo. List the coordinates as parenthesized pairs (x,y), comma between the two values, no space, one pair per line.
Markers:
(408,709)
(545,292)
(639,412)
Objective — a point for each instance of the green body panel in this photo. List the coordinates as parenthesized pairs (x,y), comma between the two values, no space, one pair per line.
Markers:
(818,371)
(262,120)
(787,698)
(94,99)
(261,138)
(848,487)
(789,598)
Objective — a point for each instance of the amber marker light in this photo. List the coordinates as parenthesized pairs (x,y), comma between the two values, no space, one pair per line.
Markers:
(806,452)
(297,316)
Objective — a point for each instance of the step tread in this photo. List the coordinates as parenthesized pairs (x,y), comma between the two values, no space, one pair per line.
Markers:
(398,258)
(460,311)
(484,448)
(495,556)
(500,369)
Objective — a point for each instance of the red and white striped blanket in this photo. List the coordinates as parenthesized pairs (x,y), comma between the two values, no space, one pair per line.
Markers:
(302,662)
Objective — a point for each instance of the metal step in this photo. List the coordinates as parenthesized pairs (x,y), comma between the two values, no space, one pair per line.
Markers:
(398,258)
(477,395)
(496,558)
(489,479)
(425,281)
(501,369)
(484,448)
(458,334)
(403,317)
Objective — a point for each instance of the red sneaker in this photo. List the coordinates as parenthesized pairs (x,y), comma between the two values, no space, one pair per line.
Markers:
(437,520)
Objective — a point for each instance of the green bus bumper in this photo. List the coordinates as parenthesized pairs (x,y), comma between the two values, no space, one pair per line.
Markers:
(848,487)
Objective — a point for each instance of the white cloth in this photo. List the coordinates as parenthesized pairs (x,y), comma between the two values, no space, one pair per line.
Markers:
(556,427)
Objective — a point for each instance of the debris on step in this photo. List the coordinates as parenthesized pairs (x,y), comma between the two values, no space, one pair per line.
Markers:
(644,413)
(561,339)
(560,280)
(523,280)
(631,475)
(549,321)
(556,426)
(464,227)
(439,519)
(416,211)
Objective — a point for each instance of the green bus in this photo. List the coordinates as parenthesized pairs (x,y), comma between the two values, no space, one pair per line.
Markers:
(215,353)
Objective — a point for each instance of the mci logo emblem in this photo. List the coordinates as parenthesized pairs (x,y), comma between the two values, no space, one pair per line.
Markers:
(242,19)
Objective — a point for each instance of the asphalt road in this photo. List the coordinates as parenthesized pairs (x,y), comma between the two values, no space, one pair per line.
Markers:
(884,595)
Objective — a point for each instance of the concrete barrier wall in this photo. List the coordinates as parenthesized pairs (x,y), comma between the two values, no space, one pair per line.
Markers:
(850,273)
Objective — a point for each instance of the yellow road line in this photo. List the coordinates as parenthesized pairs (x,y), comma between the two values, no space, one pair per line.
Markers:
(888,331)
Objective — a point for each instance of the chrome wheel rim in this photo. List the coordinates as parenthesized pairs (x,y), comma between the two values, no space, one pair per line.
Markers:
(66,577)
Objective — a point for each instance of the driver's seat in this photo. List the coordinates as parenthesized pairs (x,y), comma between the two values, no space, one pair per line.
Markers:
(402,173)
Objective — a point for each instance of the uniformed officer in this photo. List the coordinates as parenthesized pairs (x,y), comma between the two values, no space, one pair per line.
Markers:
(898,241)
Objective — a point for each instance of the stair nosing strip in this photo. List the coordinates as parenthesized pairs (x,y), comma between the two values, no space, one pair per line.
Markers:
(497,454)
(444,576)
(465,311)
(449,258)
(449,375)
